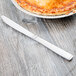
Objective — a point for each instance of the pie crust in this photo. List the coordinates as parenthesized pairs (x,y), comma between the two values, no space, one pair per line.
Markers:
(48,7)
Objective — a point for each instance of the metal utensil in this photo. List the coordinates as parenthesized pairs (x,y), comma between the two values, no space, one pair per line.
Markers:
(52,47)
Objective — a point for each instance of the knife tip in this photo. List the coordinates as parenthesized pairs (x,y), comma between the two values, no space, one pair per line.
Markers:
(2,16)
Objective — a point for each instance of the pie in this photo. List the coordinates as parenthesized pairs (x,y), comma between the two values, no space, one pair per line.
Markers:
(48,7)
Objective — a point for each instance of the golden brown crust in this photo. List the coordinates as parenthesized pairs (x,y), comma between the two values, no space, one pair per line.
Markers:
(65,9)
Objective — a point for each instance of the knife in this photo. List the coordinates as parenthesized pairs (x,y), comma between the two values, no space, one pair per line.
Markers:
(50,46)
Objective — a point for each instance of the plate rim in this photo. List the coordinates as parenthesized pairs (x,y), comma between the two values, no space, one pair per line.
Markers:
(40,16)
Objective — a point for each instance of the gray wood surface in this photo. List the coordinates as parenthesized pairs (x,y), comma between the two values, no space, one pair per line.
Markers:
(22,56)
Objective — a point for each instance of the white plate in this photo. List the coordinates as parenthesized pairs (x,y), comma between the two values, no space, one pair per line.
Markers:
(40,16)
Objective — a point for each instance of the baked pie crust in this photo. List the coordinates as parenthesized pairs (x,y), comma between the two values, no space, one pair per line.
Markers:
(48,7)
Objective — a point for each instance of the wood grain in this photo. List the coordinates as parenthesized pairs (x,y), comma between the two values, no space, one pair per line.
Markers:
(21,56)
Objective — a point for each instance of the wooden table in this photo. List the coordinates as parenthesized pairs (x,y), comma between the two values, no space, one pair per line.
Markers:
(22,56)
